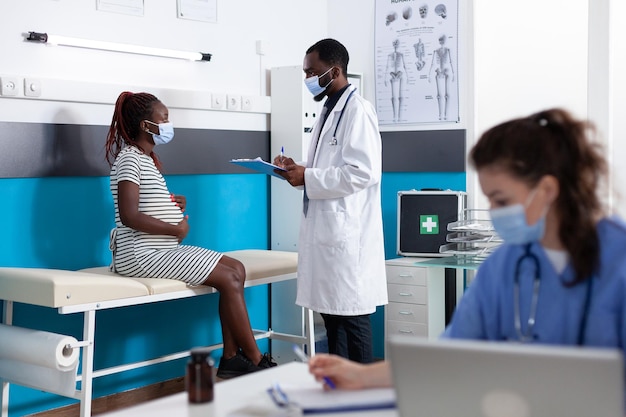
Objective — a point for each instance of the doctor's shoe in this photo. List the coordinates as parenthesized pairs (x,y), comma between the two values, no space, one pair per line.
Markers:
(267,361)
(236,366)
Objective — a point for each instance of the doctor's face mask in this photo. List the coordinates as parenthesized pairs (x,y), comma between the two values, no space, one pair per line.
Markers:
(313,83)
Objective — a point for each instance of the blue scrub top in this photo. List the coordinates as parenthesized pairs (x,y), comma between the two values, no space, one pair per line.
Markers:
(486,311)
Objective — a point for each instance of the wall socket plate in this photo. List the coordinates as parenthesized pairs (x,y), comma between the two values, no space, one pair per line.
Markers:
(233,102)
(246,103)
(9,86)
(218,101)
(32,87)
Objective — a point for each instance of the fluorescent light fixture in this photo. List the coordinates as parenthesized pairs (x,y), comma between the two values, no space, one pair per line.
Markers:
(116,47)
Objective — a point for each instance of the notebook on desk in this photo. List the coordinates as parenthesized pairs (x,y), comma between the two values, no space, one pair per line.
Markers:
(486,379)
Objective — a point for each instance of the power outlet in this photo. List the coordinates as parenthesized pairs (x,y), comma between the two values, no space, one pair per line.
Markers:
(218,101)
(32,87)
(246,103)
(9,86)
(233,102)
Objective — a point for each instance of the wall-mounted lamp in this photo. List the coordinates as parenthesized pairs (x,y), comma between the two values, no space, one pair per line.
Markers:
(117,47)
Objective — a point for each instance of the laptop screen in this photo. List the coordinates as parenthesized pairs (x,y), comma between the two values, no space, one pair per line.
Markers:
(488,379)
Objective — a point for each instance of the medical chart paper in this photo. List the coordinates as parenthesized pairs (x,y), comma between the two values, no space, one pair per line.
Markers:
(314,399)
(258,164)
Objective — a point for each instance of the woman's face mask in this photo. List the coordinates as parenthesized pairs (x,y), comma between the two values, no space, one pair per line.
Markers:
(165,135)
(510,223)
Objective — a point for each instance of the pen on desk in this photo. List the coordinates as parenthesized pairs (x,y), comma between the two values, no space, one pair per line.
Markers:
(282,154)
(304,358)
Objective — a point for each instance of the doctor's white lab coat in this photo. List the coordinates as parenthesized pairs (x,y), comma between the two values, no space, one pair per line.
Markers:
(341,260)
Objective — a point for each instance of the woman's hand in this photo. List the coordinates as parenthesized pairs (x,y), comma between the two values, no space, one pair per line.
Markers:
(346,374)
(183,228)
(180,201)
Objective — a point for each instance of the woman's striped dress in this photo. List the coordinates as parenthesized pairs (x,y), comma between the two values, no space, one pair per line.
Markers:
(139,254)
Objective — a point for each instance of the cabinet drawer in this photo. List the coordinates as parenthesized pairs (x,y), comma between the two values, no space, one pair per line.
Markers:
(411,329)
(410,275)
(411,313)
(411,294)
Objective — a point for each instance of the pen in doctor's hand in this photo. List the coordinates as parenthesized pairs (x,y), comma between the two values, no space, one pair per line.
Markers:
(304,358)
(282,154)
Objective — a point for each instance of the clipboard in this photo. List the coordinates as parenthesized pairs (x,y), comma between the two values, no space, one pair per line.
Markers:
(259,165)
(314,400)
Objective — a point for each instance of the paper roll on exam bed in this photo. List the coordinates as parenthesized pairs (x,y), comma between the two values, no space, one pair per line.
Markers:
(38,359)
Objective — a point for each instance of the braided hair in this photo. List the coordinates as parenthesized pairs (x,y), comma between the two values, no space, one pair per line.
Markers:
(130,110)
(552,142)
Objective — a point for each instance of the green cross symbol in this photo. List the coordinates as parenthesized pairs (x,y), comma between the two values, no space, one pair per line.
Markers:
(429,224)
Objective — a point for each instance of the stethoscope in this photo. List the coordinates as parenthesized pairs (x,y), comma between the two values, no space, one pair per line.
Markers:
(528,336)
(333,141)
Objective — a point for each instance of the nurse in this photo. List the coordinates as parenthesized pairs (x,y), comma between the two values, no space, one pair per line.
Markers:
(560,276)
(341,256)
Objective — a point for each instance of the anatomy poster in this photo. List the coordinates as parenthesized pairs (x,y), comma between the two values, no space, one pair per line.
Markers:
(417,61)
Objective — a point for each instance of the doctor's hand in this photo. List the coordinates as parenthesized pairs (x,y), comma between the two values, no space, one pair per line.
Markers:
(281,161)
(294,174)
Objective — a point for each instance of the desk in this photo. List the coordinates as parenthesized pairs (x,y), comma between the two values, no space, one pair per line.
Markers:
(245,392)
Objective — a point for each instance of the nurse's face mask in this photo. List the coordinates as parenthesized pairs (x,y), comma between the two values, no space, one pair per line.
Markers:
(510,223)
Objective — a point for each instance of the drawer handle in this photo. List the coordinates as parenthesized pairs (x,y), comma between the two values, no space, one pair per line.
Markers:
(406,331)
(405,275)
(405,313)
(405,294)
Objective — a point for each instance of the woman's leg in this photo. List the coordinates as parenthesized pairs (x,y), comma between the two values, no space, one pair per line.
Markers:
(228,278)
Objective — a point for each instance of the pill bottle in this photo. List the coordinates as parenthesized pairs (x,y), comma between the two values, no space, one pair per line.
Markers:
(199,376)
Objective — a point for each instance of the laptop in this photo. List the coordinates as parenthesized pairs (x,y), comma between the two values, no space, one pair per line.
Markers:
(459,378)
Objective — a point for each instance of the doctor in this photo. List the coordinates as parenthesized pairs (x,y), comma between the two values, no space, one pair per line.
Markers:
(341,267)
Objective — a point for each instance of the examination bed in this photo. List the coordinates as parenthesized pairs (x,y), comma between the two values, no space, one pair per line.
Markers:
(90,290)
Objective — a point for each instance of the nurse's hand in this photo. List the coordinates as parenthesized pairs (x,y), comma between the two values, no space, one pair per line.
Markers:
(294,174)
(346,374)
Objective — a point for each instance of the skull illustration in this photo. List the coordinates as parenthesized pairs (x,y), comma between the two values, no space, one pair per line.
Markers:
(440,9)
(407,12)
(423,11)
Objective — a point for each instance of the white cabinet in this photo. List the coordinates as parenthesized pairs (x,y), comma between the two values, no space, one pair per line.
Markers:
(416,298)
(293,113)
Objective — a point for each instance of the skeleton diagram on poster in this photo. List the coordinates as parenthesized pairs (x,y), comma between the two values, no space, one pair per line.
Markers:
(416,61)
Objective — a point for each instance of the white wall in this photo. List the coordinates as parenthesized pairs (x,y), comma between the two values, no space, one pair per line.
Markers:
(528,56)
(617,99)
(607,90)
(288,27)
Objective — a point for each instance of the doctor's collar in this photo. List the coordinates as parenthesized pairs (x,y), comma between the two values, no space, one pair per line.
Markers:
(332,100)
